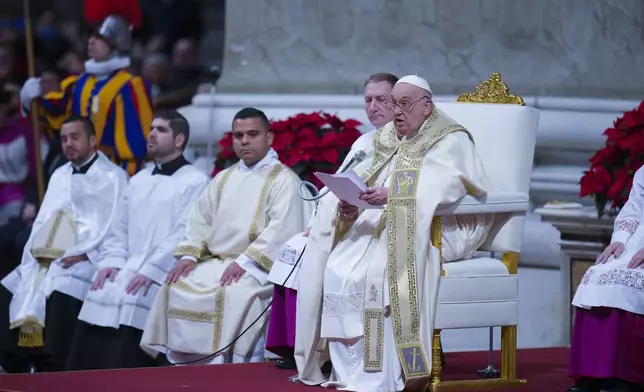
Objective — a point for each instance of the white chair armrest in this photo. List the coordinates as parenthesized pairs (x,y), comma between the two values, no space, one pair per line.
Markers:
(491,203)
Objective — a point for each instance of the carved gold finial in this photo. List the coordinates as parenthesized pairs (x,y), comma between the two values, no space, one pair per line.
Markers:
(492,90)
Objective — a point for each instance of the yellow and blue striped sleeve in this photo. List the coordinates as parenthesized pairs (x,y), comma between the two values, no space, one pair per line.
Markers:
(56,106)
(132,117)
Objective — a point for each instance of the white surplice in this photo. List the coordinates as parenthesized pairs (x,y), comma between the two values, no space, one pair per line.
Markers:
(612,284)
(244,215)
(352,268)
(91,200)
(150,222)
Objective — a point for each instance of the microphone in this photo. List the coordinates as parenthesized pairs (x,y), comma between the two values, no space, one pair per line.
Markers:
(358,157)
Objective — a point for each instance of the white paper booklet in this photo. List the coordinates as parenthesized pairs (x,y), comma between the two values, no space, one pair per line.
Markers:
(348,187)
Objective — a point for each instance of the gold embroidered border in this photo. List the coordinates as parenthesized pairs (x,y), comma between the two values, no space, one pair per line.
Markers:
(437,235)
(409,231)
(189,250)
(47,253)
(202,317)
(216,318)
(373,361)
(224,179)
(219,319)
(260,259)
(183,286)
(253,233)
(27,321)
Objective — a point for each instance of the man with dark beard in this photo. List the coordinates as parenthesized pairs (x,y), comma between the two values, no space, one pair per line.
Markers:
(61,254)
(138,252)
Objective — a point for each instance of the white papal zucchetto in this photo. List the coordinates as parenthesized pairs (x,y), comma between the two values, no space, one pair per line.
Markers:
(417,81)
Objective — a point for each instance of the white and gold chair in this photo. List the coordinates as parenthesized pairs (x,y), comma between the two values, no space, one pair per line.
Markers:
(483,291)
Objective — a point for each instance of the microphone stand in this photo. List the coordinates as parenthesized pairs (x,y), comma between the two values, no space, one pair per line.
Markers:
(358,157)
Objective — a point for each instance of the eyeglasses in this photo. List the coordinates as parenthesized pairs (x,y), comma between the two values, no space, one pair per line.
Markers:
(405,106)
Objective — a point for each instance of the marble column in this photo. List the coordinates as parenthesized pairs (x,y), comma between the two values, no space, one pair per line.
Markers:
(590,48)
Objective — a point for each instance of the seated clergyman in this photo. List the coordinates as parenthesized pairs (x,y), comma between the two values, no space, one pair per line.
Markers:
(138,252)
(373,274)
(61,255)
(234,232)
(607,348)
(281,328)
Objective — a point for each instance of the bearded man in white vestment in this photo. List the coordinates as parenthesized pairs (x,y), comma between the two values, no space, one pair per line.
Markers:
(61,255)
(280,338)
(138,252)
(375,300)
(234,232)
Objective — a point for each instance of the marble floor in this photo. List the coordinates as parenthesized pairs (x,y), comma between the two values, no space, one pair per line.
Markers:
(540,316)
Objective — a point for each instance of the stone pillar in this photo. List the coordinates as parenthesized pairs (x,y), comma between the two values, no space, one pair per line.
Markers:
(590,48)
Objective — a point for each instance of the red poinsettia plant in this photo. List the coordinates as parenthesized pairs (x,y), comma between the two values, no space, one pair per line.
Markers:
(307,143)
(610,176)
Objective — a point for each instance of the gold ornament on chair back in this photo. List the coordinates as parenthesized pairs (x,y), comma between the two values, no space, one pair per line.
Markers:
(492,90)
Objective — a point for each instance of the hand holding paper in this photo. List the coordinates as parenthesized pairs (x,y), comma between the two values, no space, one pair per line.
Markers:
(348,187)
(376,195)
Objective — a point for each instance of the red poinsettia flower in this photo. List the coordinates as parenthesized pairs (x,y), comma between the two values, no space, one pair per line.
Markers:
(612,168)
(306,142)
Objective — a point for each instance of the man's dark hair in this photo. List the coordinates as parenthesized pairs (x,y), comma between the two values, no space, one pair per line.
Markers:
(381,77)
(88,125)
(252,113)
(178,123)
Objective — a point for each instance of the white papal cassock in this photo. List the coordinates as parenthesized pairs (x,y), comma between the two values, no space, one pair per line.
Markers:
(83,204)
(379,275)
(150,222)
(245,215)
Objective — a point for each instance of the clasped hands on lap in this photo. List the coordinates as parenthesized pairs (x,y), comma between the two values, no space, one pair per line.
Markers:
(616,249)
(376,196)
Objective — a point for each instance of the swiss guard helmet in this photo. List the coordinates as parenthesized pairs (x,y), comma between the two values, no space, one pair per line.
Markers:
(116,19)
(116,31)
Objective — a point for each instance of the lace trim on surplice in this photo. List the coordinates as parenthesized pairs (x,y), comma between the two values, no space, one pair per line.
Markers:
(627,277)
(626,225)
(343,304)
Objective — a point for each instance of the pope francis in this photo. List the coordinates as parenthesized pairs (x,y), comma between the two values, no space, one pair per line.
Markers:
(375,298)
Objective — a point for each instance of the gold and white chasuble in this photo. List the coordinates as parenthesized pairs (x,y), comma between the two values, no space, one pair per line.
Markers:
(73,219)
(245,215)
(381,276)
(150,222)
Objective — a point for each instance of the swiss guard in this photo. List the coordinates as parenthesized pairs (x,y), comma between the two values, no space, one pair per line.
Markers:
(118,103)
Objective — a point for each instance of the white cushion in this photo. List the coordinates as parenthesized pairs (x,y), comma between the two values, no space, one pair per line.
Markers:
(476,293)
(480,266)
